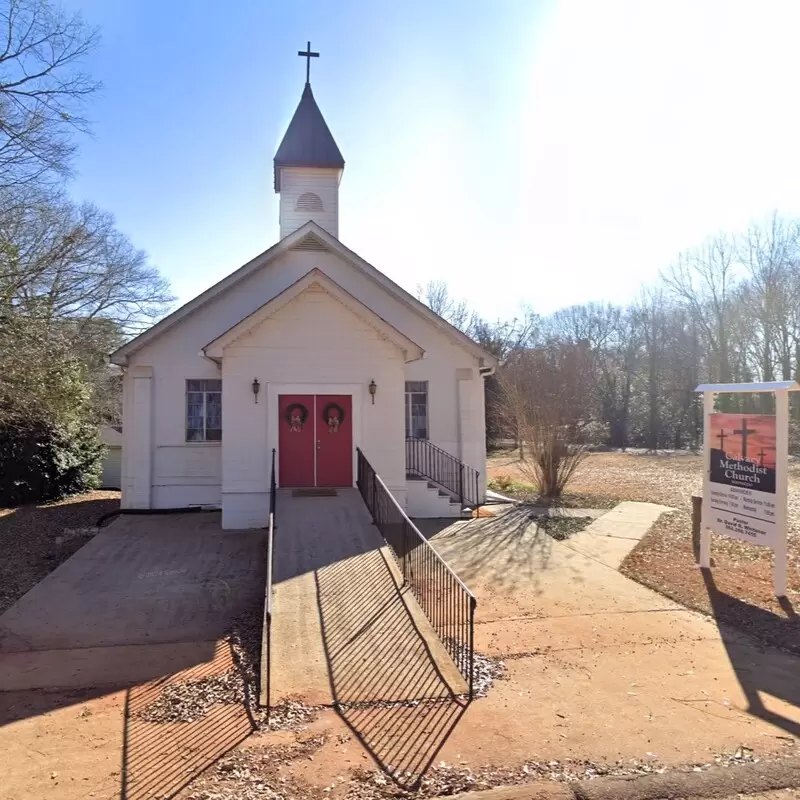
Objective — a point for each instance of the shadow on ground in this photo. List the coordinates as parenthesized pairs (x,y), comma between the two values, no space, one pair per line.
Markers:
(161,759)
(401,716)
(768,672)
(508,551)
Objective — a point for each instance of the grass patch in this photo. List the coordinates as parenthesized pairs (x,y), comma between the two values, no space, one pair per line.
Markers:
(529,493)
(561,528)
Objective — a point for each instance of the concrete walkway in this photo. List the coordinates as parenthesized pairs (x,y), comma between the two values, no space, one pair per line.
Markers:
(343,629)
(601,667)
(613,535)
(149,595)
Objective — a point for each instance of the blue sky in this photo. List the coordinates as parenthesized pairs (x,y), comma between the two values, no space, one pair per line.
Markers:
(540,152)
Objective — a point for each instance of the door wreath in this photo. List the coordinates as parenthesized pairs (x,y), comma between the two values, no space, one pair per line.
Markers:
(296,415)
(333,416)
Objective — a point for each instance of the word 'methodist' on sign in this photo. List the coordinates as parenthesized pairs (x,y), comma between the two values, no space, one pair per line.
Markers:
(742,474)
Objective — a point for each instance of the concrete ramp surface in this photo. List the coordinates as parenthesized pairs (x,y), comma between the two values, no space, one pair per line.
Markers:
(147,596)
(344,630)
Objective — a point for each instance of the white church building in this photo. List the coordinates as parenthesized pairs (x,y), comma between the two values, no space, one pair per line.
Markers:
(309,351)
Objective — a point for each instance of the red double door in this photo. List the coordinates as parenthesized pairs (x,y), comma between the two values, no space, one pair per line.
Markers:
(315,440)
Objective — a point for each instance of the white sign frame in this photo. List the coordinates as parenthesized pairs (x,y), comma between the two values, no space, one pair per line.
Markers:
(781,390)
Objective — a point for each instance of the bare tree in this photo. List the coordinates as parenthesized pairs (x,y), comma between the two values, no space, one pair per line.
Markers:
(436,295)
(705,282)
(42,89)
(61,261)
(546,393)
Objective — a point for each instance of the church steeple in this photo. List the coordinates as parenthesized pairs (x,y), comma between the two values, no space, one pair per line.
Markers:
(308,166)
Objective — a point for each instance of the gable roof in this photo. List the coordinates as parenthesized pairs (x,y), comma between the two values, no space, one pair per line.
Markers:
(301,239)
(308,141)
(315,278)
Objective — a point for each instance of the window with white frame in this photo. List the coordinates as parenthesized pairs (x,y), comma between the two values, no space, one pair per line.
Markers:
(417,409)
(203,410)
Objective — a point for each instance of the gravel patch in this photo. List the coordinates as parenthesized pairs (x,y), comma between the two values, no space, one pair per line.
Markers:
(261,772)
(190,700)
(444,780)
(255,773)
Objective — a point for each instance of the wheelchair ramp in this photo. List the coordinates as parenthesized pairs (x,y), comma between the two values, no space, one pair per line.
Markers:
(344,630)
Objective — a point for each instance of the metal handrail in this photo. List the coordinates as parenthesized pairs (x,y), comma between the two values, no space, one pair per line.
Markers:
(422,540)
(437,465)
(266,653)
(444,598)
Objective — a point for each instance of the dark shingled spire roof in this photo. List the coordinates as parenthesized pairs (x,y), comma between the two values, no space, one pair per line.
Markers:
(307,141)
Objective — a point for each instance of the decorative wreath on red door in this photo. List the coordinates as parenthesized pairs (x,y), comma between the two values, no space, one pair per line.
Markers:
(296,415)
(333,416)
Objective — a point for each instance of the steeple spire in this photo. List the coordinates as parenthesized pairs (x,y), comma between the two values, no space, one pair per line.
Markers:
(308,165)
(308,141)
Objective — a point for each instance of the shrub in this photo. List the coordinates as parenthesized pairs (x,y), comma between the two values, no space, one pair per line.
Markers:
(501,483)
(49,426)
(42,461)
(545,391)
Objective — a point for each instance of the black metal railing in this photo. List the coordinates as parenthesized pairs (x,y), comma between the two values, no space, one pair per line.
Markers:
(437,465)
(447,603)
(266,637)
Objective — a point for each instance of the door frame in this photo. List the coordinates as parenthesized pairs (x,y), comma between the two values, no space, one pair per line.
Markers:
(274,390)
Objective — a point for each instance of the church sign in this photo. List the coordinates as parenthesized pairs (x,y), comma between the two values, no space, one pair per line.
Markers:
(745,483)
(742,477)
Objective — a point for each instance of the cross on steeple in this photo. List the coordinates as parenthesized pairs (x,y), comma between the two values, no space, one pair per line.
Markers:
(722,436)
(308,55)
(744,432)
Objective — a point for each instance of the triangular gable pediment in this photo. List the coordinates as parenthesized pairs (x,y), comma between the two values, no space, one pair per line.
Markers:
(309,236)
(317,280)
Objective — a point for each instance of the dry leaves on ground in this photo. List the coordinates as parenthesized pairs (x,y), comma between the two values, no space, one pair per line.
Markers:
(739,590)
(260,772)
(34,540)
(190,700)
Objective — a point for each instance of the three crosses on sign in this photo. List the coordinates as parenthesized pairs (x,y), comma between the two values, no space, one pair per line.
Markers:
(744,432)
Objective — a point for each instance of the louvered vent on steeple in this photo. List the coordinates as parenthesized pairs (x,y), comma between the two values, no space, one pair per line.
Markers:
(308,201)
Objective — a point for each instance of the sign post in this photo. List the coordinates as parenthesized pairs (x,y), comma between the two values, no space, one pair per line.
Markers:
(745,479)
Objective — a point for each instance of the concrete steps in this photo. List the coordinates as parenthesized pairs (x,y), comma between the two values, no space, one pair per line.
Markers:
(426,500)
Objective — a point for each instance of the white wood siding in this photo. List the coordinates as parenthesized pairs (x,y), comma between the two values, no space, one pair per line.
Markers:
(180,476)
(313,341)
(296,181)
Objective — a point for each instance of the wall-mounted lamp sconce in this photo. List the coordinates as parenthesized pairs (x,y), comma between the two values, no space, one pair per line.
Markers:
(256,387)
(373,387)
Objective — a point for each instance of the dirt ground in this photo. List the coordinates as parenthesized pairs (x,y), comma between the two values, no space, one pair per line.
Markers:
(600,676)
(741,594)
(34,540)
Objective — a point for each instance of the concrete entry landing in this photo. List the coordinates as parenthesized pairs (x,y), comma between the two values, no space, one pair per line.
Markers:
(344,631)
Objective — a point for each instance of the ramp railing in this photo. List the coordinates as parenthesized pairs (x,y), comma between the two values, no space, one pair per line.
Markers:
(266,635)
(444,598)
(429,461)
